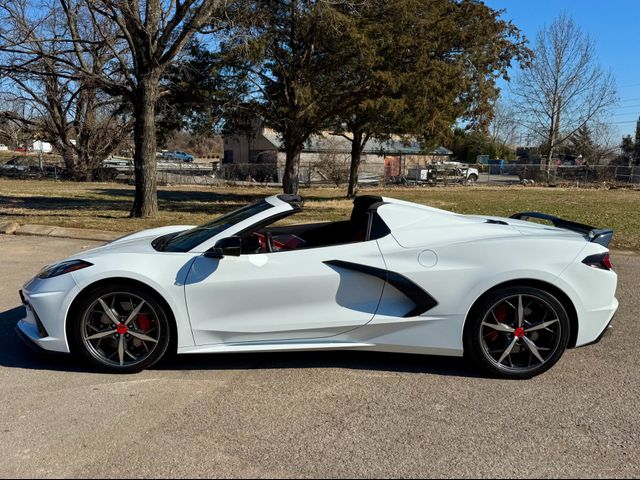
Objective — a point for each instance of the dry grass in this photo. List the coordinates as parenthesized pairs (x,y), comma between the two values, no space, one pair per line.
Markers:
(106,205)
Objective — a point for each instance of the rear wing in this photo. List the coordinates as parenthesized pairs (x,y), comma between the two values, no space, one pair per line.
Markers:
(595,235)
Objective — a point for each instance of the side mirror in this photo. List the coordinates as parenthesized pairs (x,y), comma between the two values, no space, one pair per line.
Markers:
(214,252)
(231,246)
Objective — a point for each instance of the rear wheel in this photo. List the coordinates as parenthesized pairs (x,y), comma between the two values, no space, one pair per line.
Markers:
(121,329)
(517,332)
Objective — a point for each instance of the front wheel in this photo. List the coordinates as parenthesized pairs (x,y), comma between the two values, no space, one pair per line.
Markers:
(517,332)
(473,178)
(120,329)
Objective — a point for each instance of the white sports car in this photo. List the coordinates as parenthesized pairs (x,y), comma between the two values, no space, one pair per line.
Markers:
(510,294)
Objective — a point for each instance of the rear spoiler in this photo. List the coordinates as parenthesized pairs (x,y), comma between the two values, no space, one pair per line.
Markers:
(595,235)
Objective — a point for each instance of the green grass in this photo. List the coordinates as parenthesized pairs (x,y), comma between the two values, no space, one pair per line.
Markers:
(106,205)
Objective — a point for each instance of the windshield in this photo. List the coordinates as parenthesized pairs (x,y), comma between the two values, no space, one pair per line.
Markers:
(185,241)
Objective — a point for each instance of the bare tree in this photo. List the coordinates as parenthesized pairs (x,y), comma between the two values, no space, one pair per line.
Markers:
(11,132)
(83,123)
(605,137)
(143,38)
(333,164)
(503,128)
(564,88)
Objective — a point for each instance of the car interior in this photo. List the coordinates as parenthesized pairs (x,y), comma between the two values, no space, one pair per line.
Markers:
(363,225)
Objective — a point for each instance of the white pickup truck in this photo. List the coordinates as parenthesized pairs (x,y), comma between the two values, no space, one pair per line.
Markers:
(470,174)
(443,172)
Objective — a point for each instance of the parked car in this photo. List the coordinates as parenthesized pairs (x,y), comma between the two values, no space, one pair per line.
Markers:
(22,148)
(3,147)
(510,294)
(14,165)
(177,156)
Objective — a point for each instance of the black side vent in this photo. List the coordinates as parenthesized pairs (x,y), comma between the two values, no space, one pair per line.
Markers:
(421,299)
(42,332)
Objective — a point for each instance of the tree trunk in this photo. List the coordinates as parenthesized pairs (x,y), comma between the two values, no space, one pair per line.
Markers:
(290,179)
(357,145)
(144,159)
(69,159)
(85,166)
(553,135)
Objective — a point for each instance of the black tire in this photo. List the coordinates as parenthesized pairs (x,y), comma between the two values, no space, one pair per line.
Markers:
(479,337)
(473,178)
(96,355)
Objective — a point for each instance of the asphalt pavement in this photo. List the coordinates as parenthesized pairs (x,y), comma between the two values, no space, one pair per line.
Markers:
(322,414)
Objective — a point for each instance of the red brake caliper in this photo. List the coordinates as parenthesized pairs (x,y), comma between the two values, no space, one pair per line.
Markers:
(501,316)
(144,322)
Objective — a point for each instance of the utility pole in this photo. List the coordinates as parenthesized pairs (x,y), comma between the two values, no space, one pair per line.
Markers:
(636,150)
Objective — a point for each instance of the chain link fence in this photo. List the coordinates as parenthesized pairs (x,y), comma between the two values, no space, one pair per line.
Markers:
(310,174)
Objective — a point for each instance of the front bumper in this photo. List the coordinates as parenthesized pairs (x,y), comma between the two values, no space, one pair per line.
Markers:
(46,303)
(28,340)
(32,331)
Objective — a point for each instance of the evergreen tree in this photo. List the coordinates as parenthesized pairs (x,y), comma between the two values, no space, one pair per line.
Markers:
(371,69)
(418,66)
(628,147)
(581,143)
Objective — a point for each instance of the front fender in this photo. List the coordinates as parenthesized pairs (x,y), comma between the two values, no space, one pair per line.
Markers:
(165,275)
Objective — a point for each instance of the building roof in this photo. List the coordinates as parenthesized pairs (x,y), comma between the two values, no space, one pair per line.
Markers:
(337,143)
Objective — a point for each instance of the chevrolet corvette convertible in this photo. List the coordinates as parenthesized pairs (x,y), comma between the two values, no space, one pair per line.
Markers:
(511,294)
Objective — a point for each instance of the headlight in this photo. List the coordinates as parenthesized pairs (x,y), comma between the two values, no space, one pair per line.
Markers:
(62,268)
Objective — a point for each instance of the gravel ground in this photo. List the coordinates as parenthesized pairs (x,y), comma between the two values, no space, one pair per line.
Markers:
(323,414)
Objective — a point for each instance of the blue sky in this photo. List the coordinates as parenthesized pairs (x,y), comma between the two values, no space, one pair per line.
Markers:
(615,27)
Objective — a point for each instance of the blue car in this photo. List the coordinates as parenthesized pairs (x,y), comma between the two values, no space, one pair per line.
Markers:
(177,156)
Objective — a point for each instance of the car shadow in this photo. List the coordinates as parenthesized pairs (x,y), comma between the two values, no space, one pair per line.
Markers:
(14,353)
(339,359)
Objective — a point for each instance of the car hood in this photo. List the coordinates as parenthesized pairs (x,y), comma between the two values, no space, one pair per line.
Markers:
(139,242)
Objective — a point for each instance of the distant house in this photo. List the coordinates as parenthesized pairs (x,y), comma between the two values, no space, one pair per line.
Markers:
(389,158)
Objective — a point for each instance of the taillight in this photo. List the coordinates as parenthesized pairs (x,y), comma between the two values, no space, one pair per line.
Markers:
(600,260)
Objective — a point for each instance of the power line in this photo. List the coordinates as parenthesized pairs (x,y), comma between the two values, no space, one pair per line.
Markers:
(629,110)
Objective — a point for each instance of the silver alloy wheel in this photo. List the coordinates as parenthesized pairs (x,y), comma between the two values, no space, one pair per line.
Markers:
(120,329)
(520,333)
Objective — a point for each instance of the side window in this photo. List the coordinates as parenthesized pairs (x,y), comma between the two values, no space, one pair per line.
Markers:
(274,239)
(363,225)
